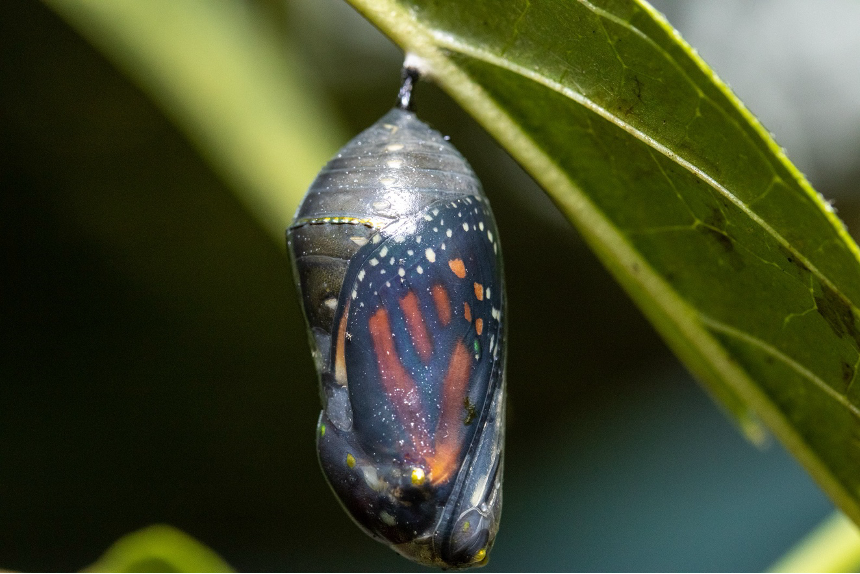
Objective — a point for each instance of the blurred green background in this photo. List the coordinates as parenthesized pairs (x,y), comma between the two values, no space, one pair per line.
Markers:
(154,365)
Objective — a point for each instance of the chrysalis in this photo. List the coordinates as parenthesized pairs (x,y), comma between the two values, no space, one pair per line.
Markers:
(397,260)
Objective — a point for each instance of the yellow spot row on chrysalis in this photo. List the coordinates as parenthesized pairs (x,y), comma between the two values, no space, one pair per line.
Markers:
(418,476)
(371,223)
(322,430)
(350,460)
(480,555)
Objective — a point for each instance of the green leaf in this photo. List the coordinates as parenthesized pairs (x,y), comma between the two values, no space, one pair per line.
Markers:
(741,266)
(159,548)
(221,73)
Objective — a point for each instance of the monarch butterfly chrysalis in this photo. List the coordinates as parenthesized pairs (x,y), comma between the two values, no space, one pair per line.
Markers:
(397,259)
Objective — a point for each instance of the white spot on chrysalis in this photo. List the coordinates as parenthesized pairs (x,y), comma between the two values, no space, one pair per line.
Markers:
(431,255)
(419,269)
(387,518)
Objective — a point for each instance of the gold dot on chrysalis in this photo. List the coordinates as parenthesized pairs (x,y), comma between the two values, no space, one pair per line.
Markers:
(418,476)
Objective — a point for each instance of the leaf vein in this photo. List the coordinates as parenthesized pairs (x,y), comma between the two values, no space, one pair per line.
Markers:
(777,354)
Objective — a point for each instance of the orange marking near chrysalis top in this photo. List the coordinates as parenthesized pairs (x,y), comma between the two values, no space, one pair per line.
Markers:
(340,349)
(399,386)
(443,304)
(417,327)
(479,291)
(467,312)
(457,267)
(479,326)
(449,432)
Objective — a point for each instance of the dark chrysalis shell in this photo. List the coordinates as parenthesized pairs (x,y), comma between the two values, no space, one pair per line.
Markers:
(397,260)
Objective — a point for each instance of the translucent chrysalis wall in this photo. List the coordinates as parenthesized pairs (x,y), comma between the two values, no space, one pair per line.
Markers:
(397,259)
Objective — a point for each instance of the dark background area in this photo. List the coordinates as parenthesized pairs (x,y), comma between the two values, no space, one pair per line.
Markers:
(154,365)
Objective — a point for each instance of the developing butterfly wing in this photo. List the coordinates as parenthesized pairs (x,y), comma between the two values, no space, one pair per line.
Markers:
(424,300)
(419,348)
